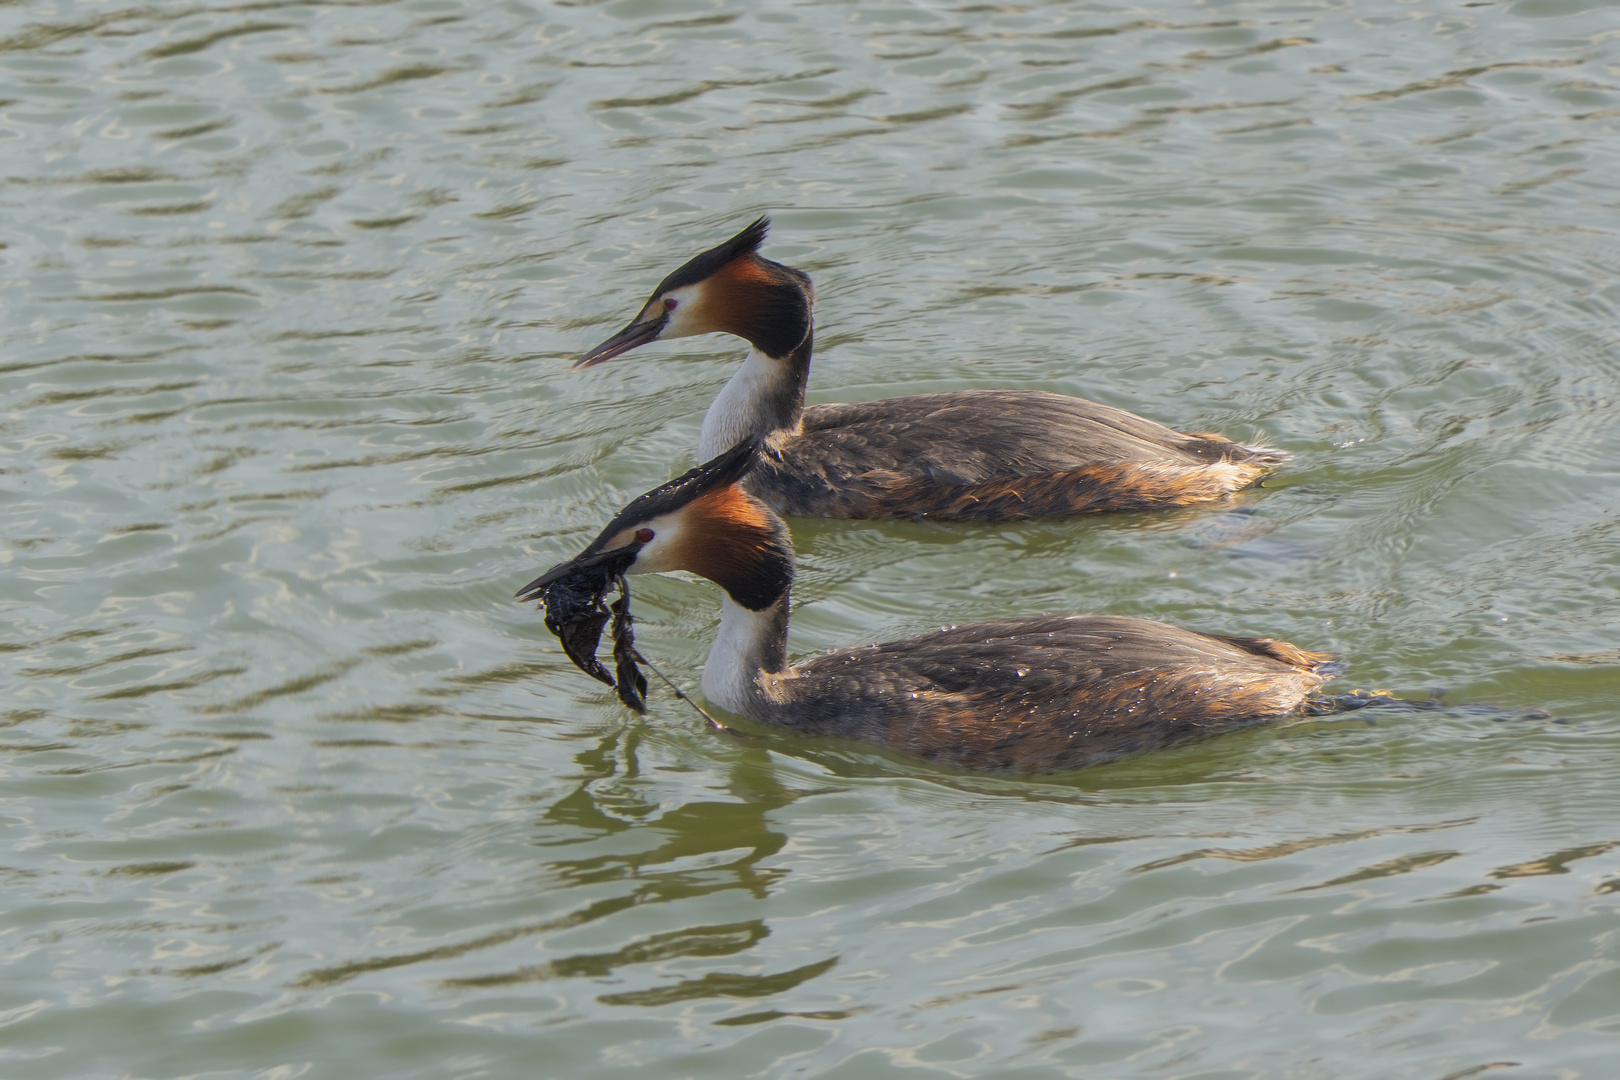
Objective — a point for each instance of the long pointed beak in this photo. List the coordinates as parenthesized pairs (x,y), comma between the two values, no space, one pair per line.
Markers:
(637,333)
(536,588)
(620,558)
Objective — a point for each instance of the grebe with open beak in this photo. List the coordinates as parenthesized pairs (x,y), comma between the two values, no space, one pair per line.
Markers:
(1035,694)
(975,455)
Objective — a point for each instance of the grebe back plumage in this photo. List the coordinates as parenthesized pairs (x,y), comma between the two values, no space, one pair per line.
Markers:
(1033,694)
(982,455)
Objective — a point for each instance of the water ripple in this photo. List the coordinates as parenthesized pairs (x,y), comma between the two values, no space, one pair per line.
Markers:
(288,417)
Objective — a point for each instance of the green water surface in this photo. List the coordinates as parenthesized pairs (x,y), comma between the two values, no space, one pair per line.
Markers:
(290,788)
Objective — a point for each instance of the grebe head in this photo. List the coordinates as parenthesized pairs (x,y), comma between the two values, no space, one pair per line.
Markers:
(729,289)
(701,522)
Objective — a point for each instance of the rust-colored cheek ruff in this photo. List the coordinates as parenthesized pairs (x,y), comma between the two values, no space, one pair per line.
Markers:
(750,269)
(729,539)
(758,301)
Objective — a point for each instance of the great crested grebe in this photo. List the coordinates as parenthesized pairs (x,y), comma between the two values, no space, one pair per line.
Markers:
(971,455)
(1034,694)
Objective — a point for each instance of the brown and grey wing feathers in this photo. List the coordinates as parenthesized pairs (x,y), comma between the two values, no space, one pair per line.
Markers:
(992,455)
(987,433)
(1047,693)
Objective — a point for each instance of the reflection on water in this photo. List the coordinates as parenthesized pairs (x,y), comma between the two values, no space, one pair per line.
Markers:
(616,837)
(290,787)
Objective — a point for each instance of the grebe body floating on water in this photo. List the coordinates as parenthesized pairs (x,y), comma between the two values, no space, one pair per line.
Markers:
(1035,694)
(971,455)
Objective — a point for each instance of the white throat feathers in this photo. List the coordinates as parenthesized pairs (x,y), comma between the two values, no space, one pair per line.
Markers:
(743,408)
(749,644)
(764,397)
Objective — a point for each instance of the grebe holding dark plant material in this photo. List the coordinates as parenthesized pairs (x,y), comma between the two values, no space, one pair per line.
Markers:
(975,455)
(1034,694)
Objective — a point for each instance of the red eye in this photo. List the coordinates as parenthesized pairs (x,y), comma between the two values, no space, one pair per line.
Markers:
(644,535)
(670,303)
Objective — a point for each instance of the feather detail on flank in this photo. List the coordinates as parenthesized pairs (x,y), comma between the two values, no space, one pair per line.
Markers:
(1105,486)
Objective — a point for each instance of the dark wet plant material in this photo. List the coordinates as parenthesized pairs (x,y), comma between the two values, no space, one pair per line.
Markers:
(632,684)
(575,612)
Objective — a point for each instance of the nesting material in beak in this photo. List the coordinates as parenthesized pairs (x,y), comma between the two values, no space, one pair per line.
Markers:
(572,595)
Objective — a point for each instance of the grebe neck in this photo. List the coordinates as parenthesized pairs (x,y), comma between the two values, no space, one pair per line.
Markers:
(749,646)
(765,396)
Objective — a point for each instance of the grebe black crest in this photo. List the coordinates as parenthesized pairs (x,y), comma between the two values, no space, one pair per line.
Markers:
(1036,694)
(974,455)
